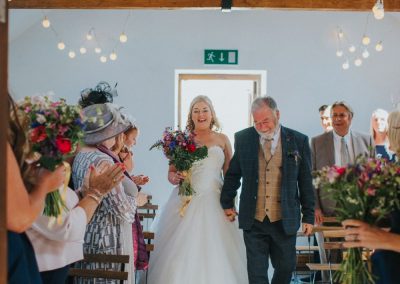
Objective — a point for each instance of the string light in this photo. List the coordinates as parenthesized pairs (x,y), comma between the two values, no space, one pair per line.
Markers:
(379,46)
(365,54)
(340,33)
(123,38)
(358,62)
(61,45)
(46,22)
(378,10)
(90,35)
(366,40)
(71,54)
(346,65)
(113,56)
(352,48)
(339,53)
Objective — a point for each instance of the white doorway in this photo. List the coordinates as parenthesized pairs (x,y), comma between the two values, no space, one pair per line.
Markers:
(230,91)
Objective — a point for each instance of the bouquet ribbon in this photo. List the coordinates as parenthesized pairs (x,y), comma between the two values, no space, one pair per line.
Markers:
(186,196)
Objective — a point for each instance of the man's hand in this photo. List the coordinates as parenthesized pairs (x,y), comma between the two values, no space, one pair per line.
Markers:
(230,214)
(307,229)
(319,217)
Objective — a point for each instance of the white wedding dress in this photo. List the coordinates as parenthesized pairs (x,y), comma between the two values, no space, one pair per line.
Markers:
(202,247)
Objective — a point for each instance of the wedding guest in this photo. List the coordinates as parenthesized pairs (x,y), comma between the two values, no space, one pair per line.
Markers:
(110,229)
(325,115)
(60,244)
(338,147)
(386,258)
(123,148)
(27,187)
(379,128)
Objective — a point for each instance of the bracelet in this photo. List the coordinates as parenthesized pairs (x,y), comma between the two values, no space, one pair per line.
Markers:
(95,192)
(94,197)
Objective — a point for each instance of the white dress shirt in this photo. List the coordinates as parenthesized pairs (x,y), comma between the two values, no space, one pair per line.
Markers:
(337,142)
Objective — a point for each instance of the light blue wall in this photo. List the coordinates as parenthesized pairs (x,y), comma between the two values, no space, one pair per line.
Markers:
(297,48)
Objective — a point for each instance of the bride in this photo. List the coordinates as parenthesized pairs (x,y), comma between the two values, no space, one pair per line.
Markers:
(202,247)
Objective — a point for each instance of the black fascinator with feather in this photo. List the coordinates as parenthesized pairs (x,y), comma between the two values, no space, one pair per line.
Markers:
(101,94)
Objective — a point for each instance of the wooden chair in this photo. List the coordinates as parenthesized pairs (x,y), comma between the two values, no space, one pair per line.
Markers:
(101,273)
(329,246)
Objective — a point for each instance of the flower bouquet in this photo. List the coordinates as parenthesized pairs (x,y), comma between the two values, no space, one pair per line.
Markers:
(367,191)
(180,149)
(54,131)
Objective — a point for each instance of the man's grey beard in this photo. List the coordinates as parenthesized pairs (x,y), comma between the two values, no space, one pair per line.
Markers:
(267,136)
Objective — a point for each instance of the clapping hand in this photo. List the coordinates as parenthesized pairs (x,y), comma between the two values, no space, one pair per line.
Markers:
(105,177)
(140,179)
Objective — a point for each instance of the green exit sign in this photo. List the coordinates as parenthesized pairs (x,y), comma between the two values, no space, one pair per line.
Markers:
(221,56)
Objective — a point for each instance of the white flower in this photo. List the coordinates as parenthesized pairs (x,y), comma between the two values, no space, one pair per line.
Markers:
(40,118)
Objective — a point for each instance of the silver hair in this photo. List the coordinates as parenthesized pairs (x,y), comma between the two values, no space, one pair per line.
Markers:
(261,102)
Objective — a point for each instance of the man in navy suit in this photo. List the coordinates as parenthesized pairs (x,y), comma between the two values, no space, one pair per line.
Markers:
(273,165)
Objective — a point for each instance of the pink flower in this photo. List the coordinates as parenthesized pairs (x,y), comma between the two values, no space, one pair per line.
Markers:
(38,134)
(371,191)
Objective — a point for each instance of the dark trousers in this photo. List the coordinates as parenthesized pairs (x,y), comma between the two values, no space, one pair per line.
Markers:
(56,276)
(268,240)
(21,261)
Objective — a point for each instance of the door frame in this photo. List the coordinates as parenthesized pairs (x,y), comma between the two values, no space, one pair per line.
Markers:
(259,77)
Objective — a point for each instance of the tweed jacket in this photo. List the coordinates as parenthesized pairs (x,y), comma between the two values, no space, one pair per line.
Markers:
(297,194)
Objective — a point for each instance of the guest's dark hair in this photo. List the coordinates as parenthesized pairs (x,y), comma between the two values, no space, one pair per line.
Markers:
(100,94)
(322,108)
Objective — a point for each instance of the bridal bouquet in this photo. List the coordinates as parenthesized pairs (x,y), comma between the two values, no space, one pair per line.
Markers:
(367,191)
(54,131)
(180,149)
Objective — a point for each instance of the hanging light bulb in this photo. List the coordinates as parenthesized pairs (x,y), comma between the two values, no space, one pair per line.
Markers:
(379,46)
(365,53)
(103,59)
(340,33)
(358,62)
(346,65)
(61,45)
(45,22)
(82,50)
(123,38)
(71,54)
(366,40)
(113,56)
(97,50)
(378,10)
(89,35)
(352,48)
(339,53)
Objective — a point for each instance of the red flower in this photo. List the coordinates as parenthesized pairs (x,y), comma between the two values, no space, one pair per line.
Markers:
(341,170)
(191,148)
(38,134)
(63,145)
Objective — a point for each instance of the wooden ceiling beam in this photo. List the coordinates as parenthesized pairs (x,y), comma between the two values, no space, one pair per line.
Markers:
(338,5)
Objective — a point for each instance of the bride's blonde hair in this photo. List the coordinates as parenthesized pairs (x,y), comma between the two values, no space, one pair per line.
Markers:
(214,125)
